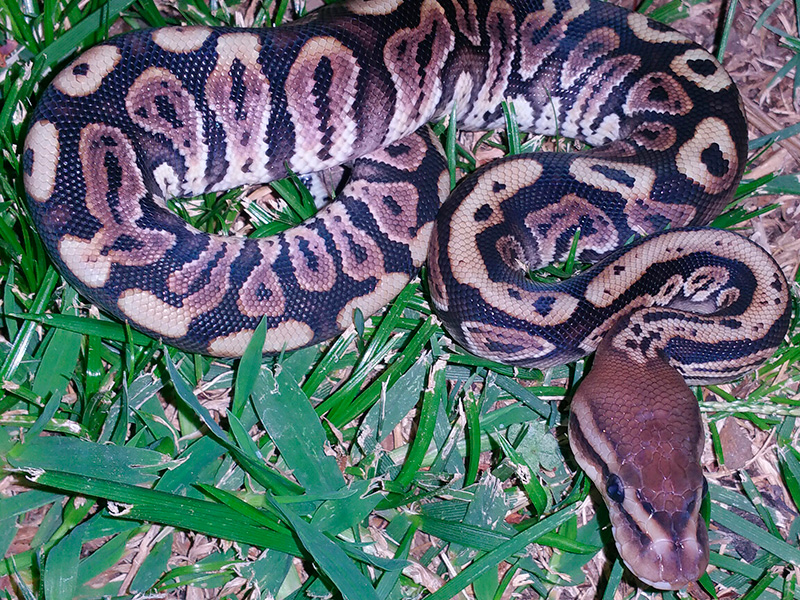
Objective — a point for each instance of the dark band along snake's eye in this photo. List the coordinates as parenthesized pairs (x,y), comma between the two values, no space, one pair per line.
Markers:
(705,488)
(614,488)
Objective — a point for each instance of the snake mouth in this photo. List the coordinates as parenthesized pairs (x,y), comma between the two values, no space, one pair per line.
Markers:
(666,563)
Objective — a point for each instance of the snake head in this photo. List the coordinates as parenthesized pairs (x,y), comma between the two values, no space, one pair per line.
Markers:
(658,530)
(636,431)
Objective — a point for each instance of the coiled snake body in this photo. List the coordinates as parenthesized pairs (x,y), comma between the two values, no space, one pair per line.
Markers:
(182,111)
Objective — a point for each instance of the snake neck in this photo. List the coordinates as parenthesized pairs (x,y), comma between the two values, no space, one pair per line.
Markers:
(635,429)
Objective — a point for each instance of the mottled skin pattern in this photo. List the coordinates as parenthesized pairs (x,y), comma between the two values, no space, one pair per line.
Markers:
(182,111)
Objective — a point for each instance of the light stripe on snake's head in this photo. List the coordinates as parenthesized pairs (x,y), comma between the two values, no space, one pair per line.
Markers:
(635,429)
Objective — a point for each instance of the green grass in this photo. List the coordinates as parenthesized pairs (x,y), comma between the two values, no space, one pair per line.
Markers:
(110,439)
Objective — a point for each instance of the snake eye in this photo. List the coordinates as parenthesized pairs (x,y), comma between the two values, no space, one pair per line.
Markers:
(615,489)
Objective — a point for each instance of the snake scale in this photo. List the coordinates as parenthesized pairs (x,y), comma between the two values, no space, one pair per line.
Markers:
(182,111)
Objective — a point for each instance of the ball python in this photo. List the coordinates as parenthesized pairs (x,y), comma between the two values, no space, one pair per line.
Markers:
(181,111)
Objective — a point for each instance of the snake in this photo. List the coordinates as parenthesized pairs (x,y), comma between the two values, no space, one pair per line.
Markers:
(160,113)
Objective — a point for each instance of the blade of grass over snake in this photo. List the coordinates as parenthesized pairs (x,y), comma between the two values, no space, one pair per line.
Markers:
(512,128)
(515,372)
(450,147)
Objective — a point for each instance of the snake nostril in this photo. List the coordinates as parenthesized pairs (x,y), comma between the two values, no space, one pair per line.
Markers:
(615,489)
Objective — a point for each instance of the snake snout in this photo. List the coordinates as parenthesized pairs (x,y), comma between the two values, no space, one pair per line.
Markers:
(667,545)
(668,563)
(666,548)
